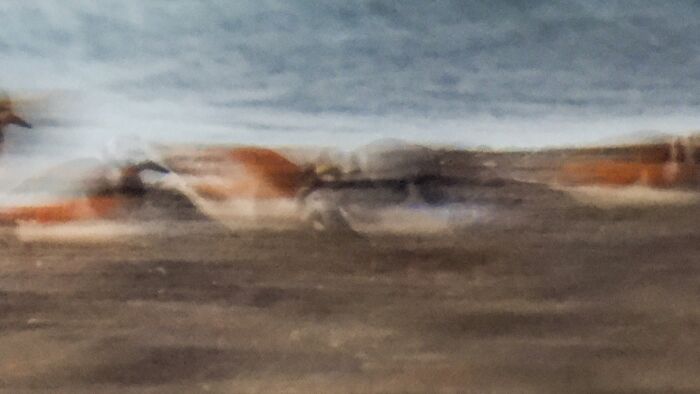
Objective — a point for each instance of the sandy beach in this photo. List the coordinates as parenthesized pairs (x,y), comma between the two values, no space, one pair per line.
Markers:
(551,296)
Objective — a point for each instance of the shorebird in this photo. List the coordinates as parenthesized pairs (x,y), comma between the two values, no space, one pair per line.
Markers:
(242,187)
(249,187)
(672,164)
(79,190)
(645,174)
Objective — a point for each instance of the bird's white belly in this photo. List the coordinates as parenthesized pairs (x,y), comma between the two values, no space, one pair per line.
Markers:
(242,214)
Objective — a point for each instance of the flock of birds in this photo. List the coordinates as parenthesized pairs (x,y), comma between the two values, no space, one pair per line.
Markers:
(392,186)
(243,187)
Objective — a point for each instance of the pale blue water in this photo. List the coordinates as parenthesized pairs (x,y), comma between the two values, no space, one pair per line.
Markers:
(500,73)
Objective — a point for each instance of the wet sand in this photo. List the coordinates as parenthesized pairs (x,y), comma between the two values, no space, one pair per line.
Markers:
(562,298)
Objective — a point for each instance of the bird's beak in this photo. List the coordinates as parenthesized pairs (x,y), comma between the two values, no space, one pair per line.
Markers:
(16,120)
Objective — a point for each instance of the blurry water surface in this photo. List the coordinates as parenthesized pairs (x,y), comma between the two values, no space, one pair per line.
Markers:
(499,73)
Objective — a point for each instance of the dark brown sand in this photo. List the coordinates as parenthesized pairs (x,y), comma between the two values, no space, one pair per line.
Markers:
(564,299)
